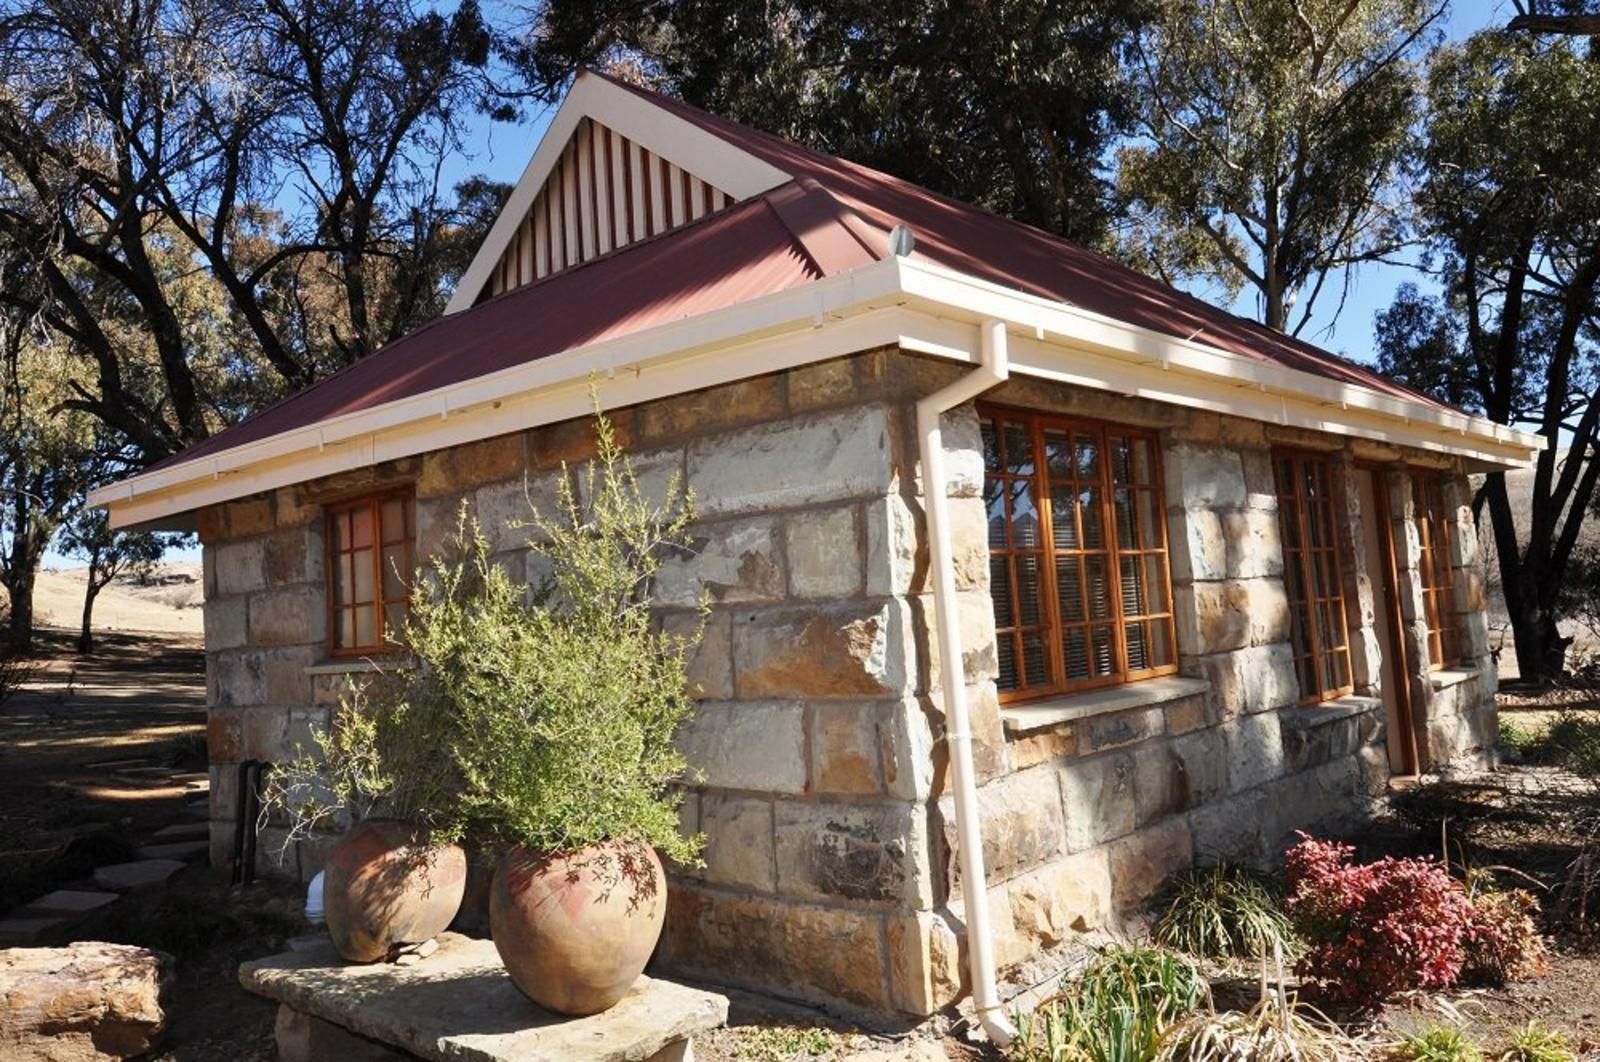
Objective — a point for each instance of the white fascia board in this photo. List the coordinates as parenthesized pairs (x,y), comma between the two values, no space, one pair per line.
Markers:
(682,143)
(828,318)
(1347,408)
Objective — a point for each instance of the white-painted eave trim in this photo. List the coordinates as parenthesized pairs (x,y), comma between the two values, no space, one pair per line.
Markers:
(682,143)
(925,308)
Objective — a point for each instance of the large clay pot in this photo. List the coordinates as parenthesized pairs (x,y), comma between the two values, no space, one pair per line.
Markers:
(382,889)
(575,929)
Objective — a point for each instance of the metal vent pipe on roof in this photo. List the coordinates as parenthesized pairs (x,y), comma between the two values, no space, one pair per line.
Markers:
(993,369)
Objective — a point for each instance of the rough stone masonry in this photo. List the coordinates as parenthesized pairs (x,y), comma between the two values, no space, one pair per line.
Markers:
(830,870)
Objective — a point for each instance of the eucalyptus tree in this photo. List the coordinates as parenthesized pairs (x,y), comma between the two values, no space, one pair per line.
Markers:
(1272,137)
(1010,104)
(1510,207)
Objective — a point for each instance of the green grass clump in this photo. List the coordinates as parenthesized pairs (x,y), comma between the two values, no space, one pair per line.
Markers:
(1437,1044)
(1224,912)
(1574,743)
(1534,1043)
(1116,1010)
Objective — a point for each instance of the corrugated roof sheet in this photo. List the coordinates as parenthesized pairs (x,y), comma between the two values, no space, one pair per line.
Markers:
(833,216)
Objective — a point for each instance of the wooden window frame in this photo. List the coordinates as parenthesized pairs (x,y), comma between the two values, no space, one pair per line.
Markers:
(1435,569)
(1050,628)
(1303,559)
(381,602)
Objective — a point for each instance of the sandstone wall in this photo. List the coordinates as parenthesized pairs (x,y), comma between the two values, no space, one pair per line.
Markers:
(830,864)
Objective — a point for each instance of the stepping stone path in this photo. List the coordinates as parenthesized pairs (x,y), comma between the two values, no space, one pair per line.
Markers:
(183,831)
(56,912)
(138,876)
(184,850)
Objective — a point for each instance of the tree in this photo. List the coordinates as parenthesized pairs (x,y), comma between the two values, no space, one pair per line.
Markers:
(1570,18)
(1510,202)
(87,534)
(286,152)
(1271,135)
(1010,104)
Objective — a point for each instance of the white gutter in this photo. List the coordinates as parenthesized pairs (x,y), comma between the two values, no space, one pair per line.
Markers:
(993,369)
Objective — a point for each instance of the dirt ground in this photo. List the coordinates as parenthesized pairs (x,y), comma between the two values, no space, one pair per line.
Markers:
(142,698)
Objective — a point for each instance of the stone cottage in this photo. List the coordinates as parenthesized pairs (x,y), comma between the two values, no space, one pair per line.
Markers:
(1206,583)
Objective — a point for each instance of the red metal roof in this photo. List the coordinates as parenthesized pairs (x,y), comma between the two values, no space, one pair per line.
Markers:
(833,216)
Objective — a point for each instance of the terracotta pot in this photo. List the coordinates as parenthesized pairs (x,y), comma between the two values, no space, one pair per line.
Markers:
(575,929)
(381,890)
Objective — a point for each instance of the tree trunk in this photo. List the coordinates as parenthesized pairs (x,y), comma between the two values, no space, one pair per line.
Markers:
(19,629)
(86,635)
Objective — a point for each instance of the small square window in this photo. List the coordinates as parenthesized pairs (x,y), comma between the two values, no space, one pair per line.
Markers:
(371,546)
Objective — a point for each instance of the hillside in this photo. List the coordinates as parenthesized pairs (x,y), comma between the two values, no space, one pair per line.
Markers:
(170,604)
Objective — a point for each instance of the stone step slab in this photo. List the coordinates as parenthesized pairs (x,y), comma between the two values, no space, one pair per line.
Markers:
(25,929)
(138,876)
(183,831)
(187,851)
(72,901)
(459,1004)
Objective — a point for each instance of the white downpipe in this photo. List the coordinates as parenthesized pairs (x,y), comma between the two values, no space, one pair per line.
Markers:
(993,369)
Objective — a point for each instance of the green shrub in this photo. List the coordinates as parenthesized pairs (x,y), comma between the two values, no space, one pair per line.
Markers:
(1115,1010)
(1223,911)
(1437,1045)
(1574,743)
(1534,1043)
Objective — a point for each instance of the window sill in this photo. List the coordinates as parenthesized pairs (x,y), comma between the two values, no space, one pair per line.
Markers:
(1308,716)
(1444,679)
(1072,707)
(357,666)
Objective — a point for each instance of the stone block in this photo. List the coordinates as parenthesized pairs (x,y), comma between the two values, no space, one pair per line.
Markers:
(296,555)
(1186,715)
(738,851)
(752,746)
(239,679)
(1255,750)
(1326,799)
(1471,592)
(1199,552)
(710,664)
(822,383)
(249,517)
(1118,729)
(975,616)
(927,971)
(265,732)
(1212,617)
(289,617)
(283,674)
(300,1037)
(1260,481)
(224,735)
(1098,799)
(1254,547)
(1057,742)
(1023,825)
(799,950)
(1232,830)
(1070,895)
(823,548)
(894,565)
(871,853)
(849,650)
(225,623)
(753,400)
(470,465)
(1141,862)
(793,463)
(844,749)
(240,567)
(1246,681)
(907,749)
(1204,477)
(142,875)
(730,562)
(1175,776)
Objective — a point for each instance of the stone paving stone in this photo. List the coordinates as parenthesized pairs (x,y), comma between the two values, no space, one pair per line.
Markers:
(460,1004)
(73,901)
(183,831)
(137,876)
(185,850)
(24,930)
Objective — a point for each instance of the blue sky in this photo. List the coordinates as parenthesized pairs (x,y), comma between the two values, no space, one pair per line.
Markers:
(501,151)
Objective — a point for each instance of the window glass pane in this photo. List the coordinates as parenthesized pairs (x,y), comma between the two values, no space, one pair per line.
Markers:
(1102,651)
(1143,463)
(1006,656)
(1088,457)
(344,629)
(1075,653)
(1018,450)
(1057,453)
(1150,520)
(1121,460)
(366,626)
(991,446)
(994,501)
(361,528)
(1024,515)
(1155,582)
(1069,589)
(394,622)
(1122,504)
(341,524)
(1290,519)
(393,520)
(1064,518)
(1097,578)
(341,580)
(1161,654)
(1134,602)
(396,572)
(1089,510)
(1000,592)
(1035,670)
(361,564)
(1028,590)
(1306,668)
(1138,654)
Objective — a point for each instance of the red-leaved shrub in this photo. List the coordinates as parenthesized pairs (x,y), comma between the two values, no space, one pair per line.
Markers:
(1376,929)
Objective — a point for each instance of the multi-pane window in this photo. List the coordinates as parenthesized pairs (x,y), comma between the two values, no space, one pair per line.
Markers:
(1077,553)
(370,542)
(1313,575)
(1433,532)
